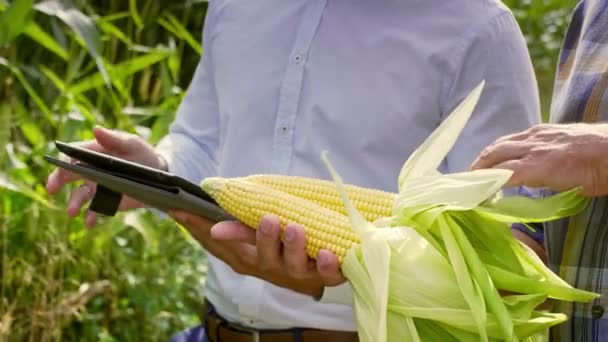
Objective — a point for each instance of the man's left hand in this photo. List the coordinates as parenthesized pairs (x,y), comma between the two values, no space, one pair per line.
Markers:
(263,254)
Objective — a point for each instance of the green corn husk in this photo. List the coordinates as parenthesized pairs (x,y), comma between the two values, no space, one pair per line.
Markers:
(433,271)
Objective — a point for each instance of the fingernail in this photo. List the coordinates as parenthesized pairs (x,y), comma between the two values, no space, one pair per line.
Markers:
(265,227)
(322,260)
(290,234)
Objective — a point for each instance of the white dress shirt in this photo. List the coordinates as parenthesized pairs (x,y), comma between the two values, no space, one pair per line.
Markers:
(282,80)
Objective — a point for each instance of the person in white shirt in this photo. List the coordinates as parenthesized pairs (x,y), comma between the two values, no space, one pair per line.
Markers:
(279,82)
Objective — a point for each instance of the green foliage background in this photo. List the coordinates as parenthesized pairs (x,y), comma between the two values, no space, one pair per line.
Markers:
(66,66)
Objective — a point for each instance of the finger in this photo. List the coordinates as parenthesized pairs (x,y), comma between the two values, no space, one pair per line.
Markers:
(241,257)
(233,231)
(328,267)
(294,253)
(91,219)
(190,220)
(525,172)
(269,243)
(519,136)
(528,133)
(92,145)
(197,226)
(57,179)
(60,177)
(79,197)
(499,153)
(117,142)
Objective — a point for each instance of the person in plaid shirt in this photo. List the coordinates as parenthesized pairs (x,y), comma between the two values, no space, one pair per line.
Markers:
(572,151)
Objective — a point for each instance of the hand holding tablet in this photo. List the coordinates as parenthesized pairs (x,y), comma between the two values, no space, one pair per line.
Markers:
(116,177)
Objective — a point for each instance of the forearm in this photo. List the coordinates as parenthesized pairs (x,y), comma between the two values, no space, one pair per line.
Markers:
(190,149)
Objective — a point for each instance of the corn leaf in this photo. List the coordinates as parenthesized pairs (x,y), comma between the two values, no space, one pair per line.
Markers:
(525,209)
(120,71)
(14,20)
(433,270)
(427,158)
(459,191)
(81,24)
(35,32)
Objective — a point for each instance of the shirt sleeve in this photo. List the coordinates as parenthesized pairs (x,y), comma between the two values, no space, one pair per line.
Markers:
(536,231)
(341,294)
(191,146)
(509,103)
(496,53)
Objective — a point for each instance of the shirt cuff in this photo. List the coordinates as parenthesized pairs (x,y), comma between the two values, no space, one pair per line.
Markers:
(534,231)
(341,294)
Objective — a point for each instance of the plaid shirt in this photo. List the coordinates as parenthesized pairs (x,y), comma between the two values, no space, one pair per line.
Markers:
(578,247)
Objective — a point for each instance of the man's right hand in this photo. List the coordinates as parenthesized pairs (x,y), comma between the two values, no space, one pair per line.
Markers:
(557,156)
(116,143)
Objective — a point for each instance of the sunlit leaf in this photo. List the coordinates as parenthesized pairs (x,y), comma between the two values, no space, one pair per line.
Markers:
(120,71)
(146,228)
(36,33)
(5,129)
(115,31)
(14,20)
(171,23)
(53,77)
(81,24)
(161,127)
(29,89)
(135,14)
(24,190)
(32,133)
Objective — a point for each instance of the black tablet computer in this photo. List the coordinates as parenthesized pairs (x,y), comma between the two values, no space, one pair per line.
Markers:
(156,188)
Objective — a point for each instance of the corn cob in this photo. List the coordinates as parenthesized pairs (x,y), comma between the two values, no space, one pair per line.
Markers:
(249,202)
(373,204)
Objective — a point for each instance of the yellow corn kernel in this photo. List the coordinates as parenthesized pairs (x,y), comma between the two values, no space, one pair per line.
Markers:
(249,202)
(373,204)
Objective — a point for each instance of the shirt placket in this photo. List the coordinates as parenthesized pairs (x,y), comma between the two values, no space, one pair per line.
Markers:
(291,88)
(282,147)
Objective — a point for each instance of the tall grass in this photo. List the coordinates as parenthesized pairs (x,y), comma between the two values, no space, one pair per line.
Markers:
(544,23)
(66,66)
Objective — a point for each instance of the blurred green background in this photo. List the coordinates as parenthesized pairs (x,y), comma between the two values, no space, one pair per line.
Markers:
(66,66)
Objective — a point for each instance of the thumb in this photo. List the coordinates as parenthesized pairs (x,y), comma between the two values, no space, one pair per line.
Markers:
(113,141)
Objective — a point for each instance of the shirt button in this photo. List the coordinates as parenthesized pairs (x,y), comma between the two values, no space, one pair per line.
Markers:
(597,311)
(297,58)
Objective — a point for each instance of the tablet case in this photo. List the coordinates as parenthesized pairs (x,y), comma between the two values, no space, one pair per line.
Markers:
(157,188)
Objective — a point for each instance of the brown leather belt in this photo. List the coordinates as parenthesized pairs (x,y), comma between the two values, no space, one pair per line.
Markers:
(220,330)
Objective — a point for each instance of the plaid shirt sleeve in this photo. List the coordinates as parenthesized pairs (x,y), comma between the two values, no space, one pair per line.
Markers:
(578,246)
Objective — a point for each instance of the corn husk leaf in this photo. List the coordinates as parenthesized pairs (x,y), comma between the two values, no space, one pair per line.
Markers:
(434,270)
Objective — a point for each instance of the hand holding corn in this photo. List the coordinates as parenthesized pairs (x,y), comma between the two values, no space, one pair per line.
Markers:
(262,254)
